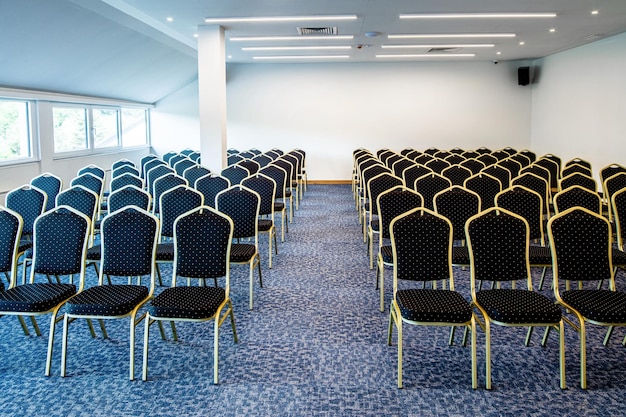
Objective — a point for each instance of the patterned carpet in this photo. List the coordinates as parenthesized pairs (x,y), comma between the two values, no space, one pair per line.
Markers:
(314,345)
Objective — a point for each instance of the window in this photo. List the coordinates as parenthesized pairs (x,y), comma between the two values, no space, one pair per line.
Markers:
(70,129)
(134,126)
(15,141)
(105,127)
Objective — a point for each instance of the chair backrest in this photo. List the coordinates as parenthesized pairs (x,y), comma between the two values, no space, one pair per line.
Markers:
(255,151)
(235,173)
(195,172)
(29,202)
(553,167)
(457,204)
(231,151)
(150,164)
(429,185)
(537,184)
(577,178)
(295,163)
(187,152)
(50,184)
(125,169)
(129,240)
(233,159)
(529,154)
(122,162)
(154,174)
(195,156)
(457,174)
(389,162)
(618,206)
(473,165)
(265,187)
(210,185)
(394,202)
(242,205)
(181,166)
(570,169)
(437,165)
(168,155)
(246,154)
(431,151)
(500,154)
(11,224)
(521,159)
(442,154)
(498,245)
(485,186)
(91,182)
(502,174)
(400,165)
(579,161)
(252,166)
(612,185)
(163,184)
(129,196)
(92,169)
(379,184)
(512,166)
(487,159)
(421,242)
(455,159)
(144,160)
(272,154)
(279,176)
(580,242)
(81,199)
(124,180)
(528,204)
(202,242)
(411,174)
(610,170)
(173,203)
(423,159)
(469,154)
(577,196)
(262,160)
(60,242)
(175,159)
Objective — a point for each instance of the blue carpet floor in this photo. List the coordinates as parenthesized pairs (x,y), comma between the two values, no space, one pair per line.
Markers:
(314,345)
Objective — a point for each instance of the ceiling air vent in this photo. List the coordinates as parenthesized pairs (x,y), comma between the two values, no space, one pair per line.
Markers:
(444,50)
(317,31)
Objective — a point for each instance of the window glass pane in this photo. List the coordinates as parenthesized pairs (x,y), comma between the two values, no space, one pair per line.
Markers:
(134,129)
(70,128)
(14,130)
(104,128)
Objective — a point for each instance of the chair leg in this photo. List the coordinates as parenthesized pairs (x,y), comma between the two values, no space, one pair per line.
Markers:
(132,347)
(53,322)
(528,335)
(583,355)
(64,344)
(473,353)
(562,354)
(487,354)
(609,333)
(174,332)
(399,326)
(216,338)
(382,287)
(543,277)
(146,338)
(251,284)
(23,324)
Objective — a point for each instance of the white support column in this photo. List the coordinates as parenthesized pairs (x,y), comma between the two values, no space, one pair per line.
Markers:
(212,96)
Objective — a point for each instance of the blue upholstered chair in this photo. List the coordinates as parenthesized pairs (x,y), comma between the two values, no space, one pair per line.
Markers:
(202,242)
(163,184)
(282,199)
(154,174)
(92,169)
(242,206)
(11,224)
(252,166)
(421,241)
(235,173)
(265,187)
(210,185)
(128,239)
(182,165)
(168,155)
(129,195)
(50,184)
(125,169)
(195,172)
(60,241)
(149,162)
(125,179)
(122,162)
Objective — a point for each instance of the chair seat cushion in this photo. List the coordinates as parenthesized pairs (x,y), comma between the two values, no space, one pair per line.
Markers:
(165,252)
(242,252)
(604,306)
(187,302)
(387,254)
(460,255)
(375,225)
(539,256)
(94,253)
(107,300)
(279,206)
(265,225)
(518,306)
(37,297)
(433,306)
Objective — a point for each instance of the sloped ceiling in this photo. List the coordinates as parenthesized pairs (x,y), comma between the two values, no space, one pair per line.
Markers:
(61,46)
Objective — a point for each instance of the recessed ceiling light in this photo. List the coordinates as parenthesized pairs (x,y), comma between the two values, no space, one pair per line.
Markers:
(169,19)
(425,55)
(595,12)
(499,53)
(475,15)
(278,18)
(451,35)
(454,45)
(301,57)
(291,48)
(195,35)
(552,30)
(522,43)
(291,38)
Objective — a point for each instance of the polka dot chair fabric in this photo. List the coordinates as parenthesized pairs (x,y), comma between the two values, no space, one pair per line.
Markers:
(162,185)
(51,185)
(498,243)
(502,174)
(457,205)
(537,184)
(122,162)
(577,196)
(265,187)
(129,238)
(235,173)
(456,174)
(195,172)
(210,186)
(410,175)
(252,166)
(618,202)
(526,203)
(92,169)
(129,196)
(174,202)
(182,165)
(437,165)
(473,165)
(11,225)
(125,169)
(154,174)
(421,242)
(576,167)
(578,179)
(429,185)
(123,180)
(581,246)
(89,181)
(486,187)
(202,240)
(29,202)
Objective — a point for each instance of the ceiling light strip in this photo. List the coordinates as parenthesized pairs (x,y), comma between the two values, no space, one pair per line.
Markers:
(291,38)
(257,19)
(476,15)
(451,45)
(425,55)
(292,48)
(273,57)
(450,35)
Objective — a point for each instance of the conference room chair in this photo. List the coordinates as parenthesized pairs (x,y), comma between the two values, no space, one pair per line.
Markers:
(125,169)
(577,178)
(265,187)
(195,172)
(122,162)
(281,198)
(163,184)
(235,173)
(485,186)
(429,185)
(210,185)
(376,185)
(51,185)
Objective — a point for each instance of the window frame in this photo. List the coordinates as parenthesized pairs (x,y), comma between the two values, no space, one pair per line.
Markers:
(33,138)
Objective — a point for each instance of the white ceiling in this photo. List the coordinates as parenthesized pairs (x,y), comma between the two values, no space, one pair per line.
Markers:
(126,49)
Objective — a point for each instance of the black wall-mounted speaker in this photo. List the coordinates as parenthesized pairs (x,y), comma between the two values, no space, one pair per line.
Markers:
(523,75)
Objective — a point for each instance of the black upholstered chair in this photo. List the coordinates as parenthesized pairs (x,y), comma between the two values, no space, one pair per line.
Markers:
(280,198)
(577,196)
(161,186)
(252,166)
(581,246)
(437,165)
(570,169)
(577,178)
(400,165)
(521,159)
(498,242)
(612,185)
(473,165)
(502,174)
(618,203)
(265,187)
(60,242)
(457,174)
(262,160)
(242,205)
(210,185)
(554,168)
(422,252)
(411,174)
(128,238)
(512,165)
(202,242)
(11,225)
(610,170)
(539,185)
(391,203)
(429,185)
(364,199)
(485,186)
(375,186)
(487,159)
(579,161)
(50,184)
(232,159)
(455,158)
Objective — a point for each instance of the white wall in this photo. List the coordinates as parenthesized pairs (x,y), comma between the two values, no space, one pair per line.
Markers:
(578,104)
